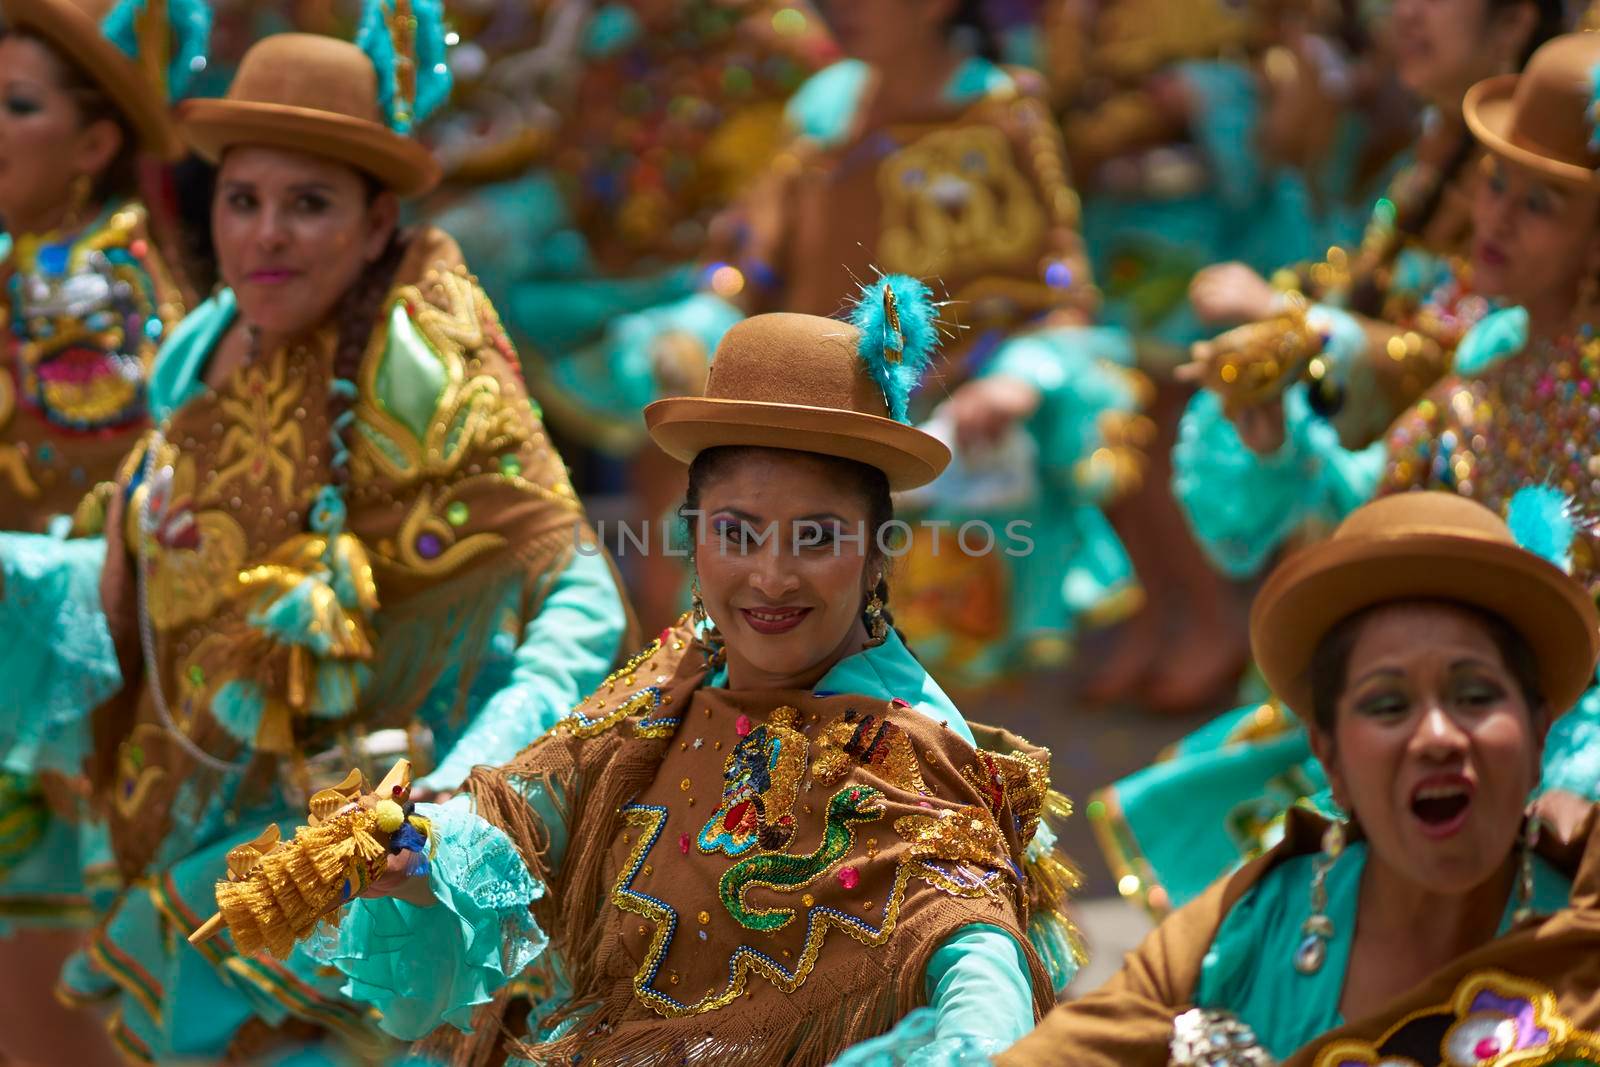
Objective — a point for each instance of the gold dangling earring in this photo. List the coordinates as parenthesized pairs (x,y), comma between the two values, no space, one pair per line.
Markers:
(697,606)
(877,625)
(1588,301)
(79,191)
(1317,930)
(1530,841)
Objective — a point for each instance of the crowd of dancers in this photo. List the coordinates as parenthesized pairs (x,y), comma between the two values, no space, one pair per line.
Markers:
(935,334)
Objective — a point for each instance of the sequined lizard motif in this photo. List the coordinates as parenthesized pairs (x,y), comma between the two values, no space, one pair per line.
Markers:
(786,873)
(870,741)
(761,780)
(1494,1020)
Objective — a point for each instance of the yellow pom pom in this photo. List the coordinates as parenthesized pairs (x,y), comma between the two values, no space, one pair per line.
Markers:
(390,816)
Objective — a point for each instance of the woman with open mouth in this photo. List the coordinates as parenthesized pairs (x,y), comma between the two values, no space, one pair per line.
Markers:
(1515,418)
(771,834)
(348,536)
(86,296)
(1431,921)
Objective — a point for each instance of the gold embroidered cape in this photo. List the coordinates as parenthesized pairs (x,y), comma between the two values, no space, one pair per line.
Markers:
(757,877)
(456,499)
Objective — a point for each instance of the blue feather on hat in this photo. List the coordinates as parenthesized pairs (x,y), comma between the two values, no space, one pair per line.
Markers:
(1542,521)
(188,24)
(433,81)
(899,327)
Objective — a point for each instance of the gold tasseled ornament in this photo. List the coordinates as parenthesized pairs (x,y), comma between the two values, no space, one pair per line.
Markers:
(277,891)
(1052,881)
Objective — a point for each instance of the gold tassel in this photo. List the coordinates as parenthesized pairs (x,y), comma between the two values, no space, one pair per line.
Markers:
(277,892)
(1052,880)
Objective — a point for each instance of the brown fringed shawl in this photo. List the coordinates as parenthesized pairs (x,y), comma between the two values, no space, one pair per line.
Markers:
(1548,970)
(451,501)
(756,877)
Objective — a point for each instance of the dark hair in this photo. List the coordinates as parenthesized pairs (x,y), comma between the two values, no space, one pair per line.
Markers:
(969,25)
(120,178)
(1367,295)
(357,313)
(1330,663)
(1551,21)
(868,482)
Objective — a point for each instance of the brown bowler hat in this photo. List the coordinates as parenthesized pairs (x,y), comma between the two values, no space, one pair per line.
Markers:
(73,26)
(1543,117)
(797,382)
(1424,546)
(314,94)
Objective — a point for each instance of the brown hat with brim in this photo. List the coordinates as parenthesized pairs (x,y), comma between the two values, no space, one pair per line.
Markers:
(315,94)
(73,26)
(796,382)
(1543,118)
(1424,546)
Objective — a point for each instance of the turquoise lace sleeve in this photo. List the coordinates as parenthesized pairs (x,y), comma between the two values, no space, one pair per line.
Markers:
(566,652)
(57,660)
(1242,506)
(1224,124)
(979,1003)
(420,967)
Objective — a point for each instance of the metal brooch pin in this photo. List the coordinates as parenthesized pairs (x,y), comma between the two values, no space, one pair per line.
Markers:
(894,339)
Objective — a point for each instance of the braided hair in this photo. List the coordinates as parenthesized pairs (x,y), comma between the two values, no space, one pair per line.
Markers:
(973,29)
(357,314)
(1413,221)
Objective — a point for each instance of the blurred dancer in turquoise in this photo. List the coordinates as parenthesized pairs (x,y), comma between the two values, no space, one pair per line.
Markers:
(86,295)
(920,154)
(1499,427)
(349,535)
(1160,104)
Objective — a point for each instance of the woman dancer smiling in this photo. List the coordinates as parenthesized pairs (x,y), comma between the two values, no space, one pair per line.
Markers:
(771,834)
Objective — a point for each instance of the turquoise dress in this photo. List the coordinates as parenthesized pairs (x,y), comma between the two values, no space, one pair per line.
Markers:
(179,1003)
(1172,828)
(1146,247)
(1249,969)
(419,967)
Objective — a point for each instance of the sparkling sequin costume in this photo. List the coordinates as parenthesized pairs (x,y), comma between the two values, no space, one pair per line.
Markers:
(85,314)
(610,177)
(275,631)
(1509,416)
(758,876)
